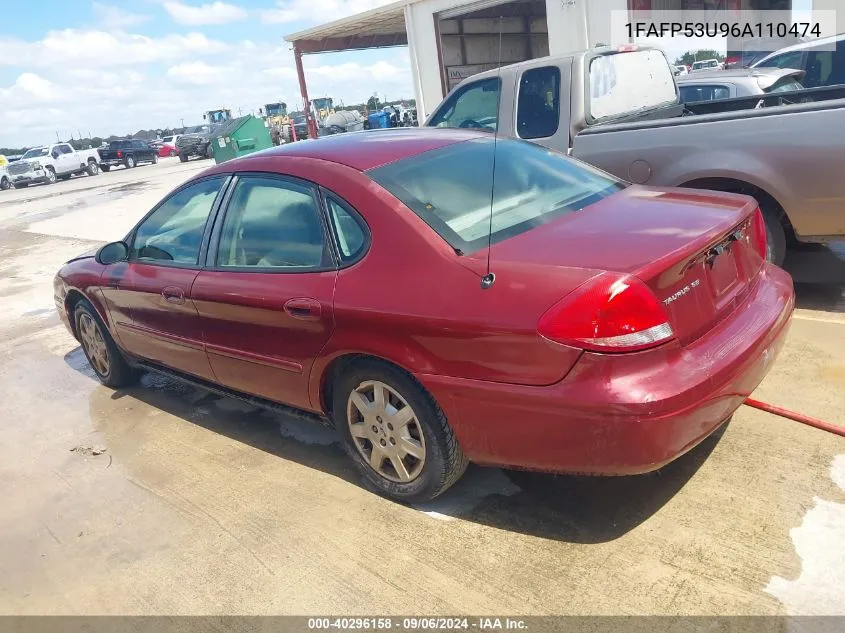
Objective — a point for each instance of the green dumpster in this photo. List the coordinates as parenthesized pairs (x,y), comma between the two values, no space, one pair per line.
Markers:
(239,137)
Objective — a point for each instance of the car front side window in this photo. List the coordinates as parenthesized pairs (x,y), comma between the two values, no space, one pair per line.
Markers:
(173,232)
(273,223)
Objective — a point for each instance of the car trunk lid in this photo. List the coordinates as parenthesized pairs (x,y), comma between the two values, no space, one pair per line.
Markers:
(695,250)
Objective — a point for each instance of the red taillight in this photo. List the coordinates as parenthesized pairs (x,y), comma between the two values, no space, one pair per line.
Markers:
(758,234)
(119,154)
(614,313)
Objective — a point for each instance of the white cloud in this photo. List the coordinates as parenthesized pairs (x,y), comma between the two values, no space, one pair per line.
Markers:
(316,11)
(134,82)
(212,13)
(116,18)
(101,48)
(32,84)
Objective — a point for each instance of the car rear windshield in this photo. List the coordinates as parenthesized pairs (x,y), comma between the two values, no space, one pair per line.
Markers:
(120,144)
(451,188)
(623,83)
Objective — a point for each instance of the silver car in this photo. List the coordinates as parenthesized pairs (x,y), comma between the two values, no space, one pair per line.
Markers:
(739,82)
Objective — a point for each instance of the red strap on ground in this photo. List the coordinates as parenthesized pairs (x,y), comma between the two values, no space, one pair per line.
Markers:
(798,417)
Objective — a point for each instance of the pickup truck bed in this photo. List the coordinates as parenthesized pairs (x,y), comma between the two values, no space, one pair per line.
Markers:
(786,154)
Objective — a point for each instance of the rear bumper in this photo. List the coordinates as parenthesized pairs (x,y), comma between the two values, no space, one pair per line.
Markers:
(628,413)
(111,162)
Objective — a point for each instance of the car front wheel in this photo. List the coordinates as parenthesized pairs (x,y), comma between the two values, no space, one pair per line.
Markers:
(100,349)
(395,433)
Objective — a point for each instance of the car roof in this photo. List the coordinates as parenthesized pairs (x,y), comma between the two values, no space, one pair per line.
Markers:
(372,148)
(804,45)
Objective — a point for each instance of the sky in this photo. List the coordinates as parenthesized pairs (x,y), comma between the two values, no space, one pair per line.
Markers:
(117,66)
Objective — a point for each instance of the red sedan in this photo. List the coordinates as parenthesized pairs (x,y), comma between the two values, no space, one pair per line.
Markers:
(348,277)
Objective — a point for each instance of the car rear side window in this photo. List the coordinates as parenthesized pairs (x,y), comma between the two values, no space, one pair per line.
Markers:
(475,105)
(691,94)
(538,108)
(348,231)
(273,223)
(451,188)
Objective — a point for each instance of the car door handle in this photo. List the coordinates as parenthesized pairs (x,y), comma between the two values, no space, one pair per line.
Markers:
(305,309)
(172,294)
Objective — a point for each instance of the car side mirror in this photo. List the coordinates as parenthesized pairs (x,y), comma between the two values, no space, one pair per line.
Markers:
(113,253)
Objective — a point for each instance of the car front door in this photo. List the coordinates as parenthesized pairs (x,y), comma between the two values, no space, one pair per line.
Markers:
(148,296)
(265,297)
(67,162)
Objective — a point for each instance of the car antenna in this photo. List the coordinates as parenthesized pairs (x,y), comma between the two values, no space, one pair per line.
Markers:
(490,278)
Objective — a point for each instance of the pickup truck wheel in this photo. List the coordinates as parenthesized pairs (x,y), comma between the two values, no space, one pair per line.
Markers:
(103,355)
(183,157)
(51,175)
(129,162)
(775,237)
(395,432)
(4,183)
(93,169)
(105,167)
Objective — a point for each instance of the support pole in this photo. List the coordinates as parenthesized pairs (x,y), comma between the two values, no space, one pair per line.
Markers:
(303,89)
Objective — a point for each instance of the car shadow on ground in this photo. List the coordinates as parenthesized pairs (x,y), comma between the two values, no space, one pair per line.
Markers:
(566,508)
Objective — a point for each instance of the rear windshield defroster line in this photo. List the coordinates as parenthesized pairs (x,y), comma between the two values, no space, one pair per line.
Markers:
(450,188)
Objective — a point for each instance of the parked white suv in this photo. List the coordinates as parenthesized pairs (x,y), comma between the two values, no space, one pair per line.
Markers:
(51,162)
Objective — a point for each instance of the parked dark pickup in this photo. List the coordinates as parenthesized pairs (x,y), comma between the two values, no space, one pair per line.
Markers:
(127,152)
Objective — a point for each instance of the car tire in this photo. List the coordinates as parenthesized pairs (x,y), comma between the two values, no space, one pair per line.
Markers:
(93,168)
(105,167)
(209,152)
(182,157)
(51,175)
(155,159)
(433,461)
(4,183)
(775,236)
(99,348)
(129,162)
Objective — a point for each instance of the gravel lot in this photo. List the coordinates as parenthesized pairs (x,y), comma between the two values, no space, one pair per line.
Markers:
(202,505)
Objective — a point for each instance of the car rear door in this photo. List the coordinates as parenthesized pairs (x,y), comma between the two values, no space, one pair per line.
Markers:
(265,297)
(148,296)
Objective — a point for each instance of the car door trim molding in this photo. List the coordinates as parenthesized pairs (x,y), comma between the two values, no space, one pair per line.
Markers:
(170,338)
(261,359)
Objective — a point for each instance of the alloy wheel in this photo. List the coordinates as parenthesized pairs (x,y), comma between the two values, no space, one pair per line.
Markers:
(94,344)
(386,432)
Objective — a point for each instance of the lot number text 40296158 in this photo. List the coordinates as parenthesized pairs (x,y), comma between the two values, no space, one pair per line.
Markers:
(417,623)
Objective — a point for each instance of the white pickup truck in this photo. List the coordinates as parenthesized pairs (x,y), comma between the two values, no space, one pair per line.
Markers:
(51,162)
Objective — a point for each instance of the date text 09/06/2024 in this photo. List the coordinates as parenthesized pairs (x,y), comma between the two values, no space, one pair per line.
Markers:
(723,29)
(416,624)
